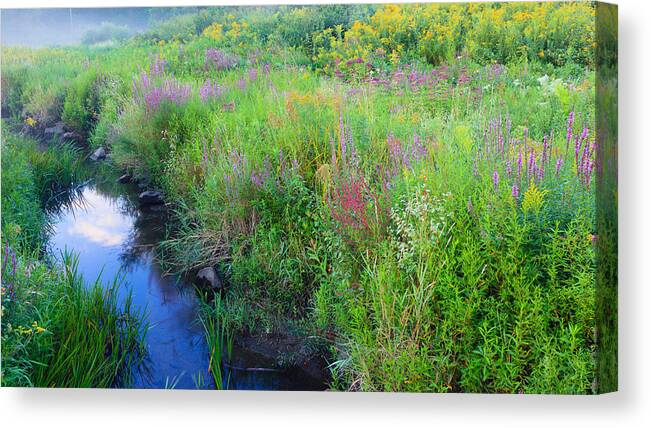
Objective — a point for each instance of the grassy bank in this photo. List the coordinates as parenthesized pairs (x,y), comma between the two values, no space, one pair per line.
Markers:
(56,331)
(425,209)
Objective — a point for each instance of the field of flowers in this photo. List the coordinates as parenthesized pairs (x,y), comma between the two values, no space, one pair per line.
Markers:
(413,185)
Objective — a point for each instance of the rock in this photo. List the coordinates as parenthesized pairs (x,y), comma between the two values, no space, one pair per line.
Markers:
(124,178)
(71,135)
(150,197)
(54,131)
(207,277)
(98,154)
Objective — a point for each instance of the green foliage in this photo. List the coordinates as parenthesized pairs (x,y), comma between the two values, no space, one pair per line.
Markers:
(106,32)
(81,104)
(56,330)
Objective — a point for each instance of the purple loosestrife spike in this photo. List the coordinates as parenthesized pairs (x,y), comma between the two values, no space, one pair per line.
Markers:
(253,74)
(509,170)
(570,125)
(584,134)
(577,147)
(532,163)
(520,163)
(559,164)
(515,192)
(496,179)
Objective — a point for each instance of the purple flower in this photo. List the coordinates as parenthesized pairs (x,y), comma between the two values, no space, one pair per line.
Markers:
(496,179)
(515,192)
(219,60)
(253,74)
(157,68)
(532,163)
(559,164)
(570,125)
(210,91)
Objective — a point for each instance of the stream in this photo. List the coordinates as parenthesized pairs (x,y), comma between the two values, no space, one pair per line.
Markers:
(112,235)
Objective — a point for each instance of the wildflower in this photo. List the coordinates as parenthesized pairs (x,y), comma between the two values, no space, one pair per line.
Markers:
(496,179)
(533,198)
(559,164)
(570,124)
(515,192)
(532,164)
(219,60)
(157,68)
(253,75)
(210,91)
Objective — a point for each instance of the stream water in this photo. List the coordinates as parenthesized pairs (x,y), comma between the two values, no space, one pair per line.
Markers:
(113,235)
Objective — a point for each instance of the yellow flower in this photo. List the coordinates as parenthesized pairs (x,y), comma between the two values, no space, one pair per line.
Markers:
(533,198)
(30,122)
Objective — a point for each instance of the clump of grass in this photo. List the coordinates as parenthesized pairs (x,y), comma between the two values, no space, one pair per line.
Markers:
(219,337)
(97,337)
(56,331)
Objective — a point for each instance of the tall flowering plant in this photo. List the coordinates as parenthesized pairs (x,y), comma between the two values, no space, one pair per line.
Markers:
(155,87)
(359,209)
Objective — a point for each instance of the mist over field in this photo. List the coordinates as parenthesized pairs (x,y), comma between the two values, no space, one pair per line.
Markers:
(67,26)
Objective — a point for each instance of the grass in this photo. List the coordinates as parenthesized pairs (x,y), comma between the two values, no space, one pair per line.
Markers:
(219,338)
(56,330)
(428,214)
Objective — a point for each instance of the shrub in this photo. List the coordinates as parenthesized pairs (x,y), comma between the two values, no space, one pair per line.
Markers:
(105,32)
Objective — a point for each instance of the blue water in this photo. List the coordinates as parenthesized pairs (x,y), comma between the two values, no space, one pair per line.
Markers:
(112,236)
